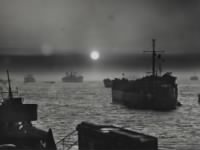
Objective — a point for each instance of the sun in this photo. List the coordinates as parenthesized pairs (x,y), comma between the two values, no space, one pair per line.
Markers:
(94,55)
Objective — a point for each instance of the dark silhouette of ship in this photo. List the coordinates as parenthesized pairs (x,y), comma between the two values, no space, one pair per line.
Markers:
(29,78)
(16,129)
(194,78)
(107,83)
(72,77)
(155,91)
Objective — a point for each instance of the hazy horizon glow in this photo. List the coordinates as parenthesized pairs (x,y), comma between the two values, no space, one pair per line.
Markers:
(56,36)
(92,75)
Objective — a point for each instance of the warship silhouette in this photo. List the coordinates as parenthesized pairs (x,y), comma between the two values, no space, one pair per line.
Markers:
(155,91)
(72,77)
(16,129)
(29,78)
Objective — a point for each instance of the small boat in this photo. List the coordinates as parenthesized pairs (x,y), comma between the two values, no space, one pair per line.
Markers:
(16,128)
(156,91)
(194,78)
(29,78)
(72,77)
(107,83)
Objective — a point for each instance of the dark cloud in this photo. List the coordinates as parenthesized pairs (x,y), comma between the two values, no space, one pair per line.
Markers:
(49,26)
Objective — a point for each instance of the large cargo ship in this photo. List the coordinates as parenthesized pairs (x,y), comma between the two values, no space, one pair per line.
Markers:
(156,91)
(72,77)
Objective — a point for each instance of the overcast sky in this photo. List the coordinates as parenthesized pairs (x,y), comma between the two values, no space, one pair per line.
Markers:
(61,26)
(58,35)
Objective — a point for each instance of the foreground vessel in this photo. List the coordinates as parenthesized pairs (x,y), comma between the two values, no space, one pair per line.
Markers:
(16,129)
(72,77)
(92,136)
(156,91)
(108,137)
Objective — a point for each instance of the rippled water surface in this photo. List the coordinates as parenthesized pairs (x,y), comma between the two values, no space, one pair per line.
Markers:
(64,105)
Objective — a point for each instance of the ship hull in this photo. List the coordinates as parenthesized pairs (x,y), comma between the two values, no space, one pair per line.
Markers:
(144,101)
(157,93)
(27,138)
(29,81)
(73,80)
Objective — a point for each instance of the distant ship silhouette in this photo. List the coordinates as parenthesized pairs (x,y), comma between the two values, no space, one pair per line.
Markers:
(72,77)
(29,78)
(194,78)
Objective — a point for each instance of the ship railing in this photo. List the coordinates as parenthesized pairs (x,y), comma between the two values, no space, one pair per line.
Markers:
(3,93)
(68,141)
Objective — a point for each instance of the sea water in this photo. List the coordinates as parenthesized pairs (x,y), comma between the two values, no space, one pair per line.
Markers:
(64,105)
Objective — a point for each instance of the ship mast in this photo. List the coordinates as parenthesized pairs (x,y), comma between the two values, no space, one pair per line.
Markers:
(9,86)
(154,73)
(153,57)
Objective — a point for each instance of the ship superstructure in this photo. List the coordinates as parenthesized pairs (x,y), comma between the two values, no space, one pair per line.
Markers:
(16,129)
(72,77)
(29,78)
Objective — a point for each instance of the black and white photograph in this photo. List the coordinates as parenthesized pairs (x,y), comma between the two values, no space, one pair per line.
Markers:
(99,75)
